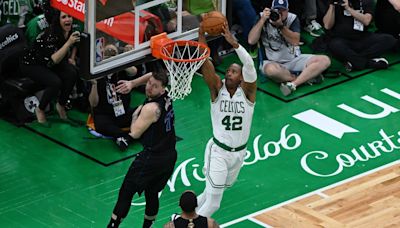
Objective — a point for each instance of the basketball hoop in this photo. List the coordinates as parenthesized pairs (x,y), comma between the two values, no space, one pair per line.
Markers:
(182,59)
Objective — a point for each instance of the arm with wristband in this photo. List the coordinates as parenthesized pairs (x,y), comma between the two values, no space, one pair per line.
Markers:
(248,70)
(249,73)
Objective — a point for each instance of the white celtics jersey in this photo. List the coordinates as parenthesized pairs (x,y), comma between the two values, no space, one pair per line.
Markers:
(231,117)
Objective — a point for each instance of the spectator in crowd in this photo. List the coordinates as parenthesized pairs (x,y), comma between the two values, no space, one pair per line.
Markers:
(244,12)
(34,27)
(198,9)
(296,6)
(308,12)
(310,16)
(46,62)
(130,71)
(350,41)
(38,25)
(279,32)
(162,11)
(110,101)
(19,12)
(189,218)
(387,17)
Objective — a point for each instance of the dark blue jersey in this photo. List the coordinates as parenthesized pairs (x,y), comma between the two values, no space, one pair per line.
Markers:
(160,136)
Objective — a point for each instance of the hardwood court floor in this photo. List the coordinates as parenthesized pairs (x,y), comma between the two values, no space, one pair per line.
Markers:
(370,201)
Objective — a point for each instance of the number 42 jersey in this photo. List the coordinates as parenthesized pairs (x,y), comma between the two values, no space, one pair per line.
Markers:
(231,117)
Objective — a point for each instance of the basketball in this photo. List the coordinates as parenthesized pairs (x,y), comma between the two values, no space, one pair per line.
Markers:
(213,22)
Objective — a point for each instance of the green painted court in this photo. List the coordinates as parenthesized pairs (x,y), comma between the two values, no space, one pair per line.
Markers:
(322,134)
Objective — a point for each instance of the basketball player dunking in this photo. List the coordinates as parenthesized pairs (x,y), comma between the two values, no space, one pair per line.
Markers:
(232,106)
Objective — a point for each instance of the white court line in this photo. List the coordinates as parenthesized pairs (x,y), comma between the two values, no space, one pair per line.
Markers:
(260,223)
(310,193)
(323,195)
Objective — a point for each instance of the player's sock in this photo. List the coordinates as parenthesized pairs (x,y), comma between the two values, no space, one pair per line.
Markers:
(114,223)
(147,223)
(129,138)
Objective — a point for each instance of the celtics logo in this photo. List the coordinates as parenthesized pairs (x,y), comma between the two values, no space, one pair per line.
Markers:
(31,103)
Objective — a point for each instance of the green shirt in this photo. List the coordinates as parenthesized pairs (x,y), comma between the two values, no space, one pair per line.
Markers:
(17,12)
(34,27)
(196,7)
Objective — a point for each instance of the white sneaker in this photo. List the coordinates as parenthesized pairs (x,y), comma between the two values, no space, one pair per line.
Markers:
(378,63)
(381,60)
(314,28)
(287,88)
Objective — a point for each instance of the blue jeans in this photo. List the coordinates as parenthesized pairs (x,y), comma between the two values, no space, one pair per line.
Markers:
(243,9)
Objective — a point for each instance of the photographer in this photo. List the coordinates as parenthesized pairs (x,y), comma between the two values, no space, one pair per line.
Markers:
(387,17)
(279,31)
(348,21)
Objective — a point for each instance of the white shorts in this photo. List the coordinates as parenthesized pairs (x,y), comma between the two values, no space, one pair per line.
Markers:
(222,167)
(295,65)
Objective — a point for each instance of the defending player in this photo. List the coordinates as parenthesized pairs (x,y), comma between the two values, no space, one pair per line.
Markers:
(153,123)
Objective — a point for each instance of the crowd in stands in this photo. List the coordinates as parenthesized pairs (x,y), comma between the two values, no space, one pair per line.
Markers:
(270,29)
(51,62)
(280,37)
(344,25)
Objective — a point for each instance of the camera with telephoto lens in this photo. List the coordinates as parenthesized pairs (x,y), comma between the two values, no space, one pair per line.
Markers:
(274,16)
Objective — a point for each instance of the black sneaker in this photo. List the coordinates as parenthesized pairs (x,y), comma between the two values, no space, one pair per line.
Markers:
(122,143)
(378,63)
(175,216)
(348,66)
(317,80)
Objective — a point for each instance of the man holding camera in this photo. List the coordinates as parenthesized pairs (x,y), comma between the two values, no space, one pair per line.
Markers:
(279,31)
(347,21)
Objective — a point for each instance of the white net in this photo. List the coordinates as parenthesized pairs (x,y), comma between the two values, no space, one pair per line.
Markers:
(181,72)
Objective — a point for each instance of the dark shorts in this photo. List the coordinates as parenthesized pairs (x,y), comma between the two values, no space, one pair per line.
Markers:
(151,171)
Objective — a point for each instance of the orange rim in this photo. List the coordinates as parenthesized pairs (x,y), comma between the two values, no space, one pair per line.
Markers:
(183,43)
(156,42)
(161,41)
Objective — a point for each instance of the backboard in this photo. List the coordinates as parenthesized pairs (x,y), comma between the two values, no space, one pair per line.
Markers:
(129,25)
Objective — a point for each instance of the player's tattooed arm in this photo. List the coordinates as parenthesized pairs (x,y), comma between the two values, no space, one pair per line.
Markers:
(135,114)
(158,113)
(146,117)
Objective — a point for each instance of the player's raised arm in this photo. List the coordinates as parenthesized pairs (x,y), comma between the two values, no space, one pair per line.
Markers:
(249,72)
(207,69)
